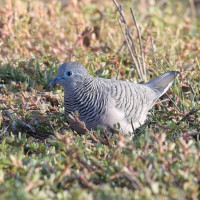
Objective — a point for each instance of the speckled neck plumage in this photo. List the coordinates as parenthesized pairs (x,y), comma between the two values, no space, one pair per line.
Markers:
(88,99)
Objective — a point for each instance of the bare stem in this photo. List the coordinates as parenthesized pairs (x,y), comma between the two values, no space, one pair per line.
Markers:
(140,43)
(130,49)
(138,59)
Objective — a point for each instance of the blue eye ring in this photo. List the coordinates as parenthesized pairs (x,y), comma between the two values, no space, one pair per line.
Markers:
(68,73)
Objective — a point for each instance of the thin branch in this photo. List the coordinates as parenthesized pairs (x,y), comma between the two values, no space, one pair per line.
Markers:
(173,102)
(129,47)
(122,46)
(194,110)
(140,42)
(27,128)
(134,48)
(77,120)
(189,135)
(138,59)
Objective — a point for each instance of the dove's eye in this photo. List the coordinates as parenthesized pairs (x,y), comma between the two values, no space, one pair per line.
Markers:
(68,73)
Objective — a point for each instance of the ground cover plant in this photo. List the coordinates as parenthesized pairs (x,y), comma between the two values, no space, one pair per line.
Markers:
(41,158)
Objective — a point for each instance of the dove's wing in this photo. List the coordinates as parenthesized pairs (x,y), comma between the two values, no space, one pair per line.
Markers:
(133,101)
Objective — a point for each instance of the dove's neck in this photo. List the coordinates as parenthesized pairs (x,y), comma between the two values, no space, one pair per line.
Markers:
(80,87)
(87,95)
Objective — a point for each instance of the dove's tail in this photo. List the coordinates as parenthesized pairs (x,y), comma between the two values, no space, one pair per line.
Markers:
(163,82)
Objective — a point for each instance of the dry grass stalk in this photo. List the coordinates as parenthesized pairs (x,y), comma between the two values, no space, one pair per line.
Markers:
(138,58)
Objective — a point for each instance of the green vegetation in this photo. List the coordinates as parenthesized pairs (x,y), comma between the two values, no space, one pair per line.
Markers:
(160,161)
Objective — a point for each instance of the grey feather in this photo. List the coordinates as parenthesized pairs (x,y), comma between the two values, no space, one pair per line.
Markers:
(106,102)
(163,82)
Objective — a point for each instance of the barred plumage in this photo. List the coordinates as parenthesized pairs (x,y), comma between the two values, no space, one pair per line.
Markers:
(106,102)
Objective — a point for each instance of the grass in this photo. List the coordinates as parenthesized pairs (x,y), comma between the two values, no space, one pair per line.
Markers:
(161,160)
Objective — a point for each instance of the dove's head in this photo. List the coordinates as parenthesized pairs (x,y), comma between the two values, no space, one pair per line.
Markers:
(69,75)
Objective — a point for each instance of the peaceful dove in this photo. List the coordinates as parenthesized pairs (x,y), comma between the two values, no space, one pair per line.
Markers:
(105,102)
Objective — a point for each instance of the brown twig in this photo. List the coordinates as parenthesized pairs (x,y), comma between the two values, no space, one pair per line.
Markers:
(78,41)
(77,120)
(194,110)
(84,163)
(81,124)
(133,181)
(30,130)
(140,42)
(98,165)
(85,182)
(11,115)
(173,102)
(102,140)
(189,135)
(122,47)
(140,64)
(66,170)
(106,137)
(130,49)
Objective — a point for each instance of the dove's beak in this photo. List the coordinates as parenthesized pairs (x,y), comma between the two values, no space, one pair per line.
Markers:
(55,80)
